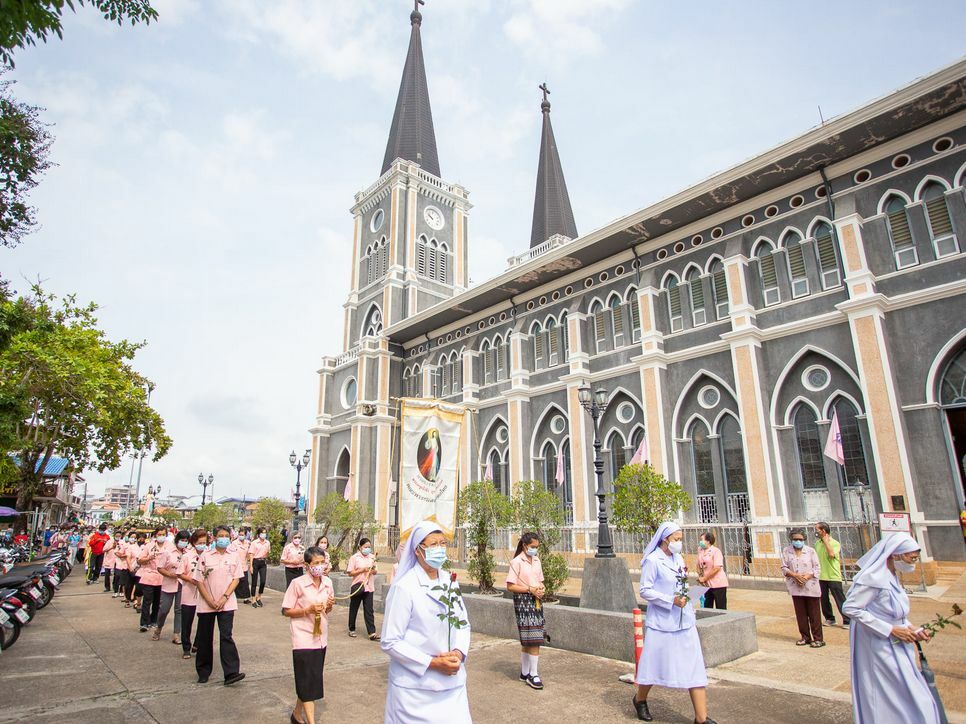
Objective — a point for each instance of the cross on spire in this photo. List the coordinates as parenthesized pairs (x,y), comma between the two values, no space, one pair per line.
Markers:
(542,86)
(416,5)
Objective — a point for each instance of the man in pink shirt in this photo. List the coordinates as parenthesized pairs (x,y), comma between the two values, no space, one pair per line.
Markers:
(151,578)
(217,577)
(307,603)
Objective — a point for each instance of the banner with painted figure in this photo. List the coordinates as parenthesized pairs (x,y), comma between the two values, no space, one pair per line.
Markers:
(429,463)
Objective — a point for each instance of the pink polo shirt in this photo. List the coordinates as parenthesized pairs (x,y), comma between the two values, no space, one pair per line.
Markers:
(132,550)
(170,559)
(711,557)
(525,571)
(259,548)
(110,555)
(241,550)
(303,592)
(187,567)
(358,560)
(291,553)
(149,568)
(221,569)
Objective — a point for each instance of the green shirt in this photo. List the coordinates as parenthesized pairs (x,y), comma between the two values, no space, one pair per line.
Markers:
(829,569)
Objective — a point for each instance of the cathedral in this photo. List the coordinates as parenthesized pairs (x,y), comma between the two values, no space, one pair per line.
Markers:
(731,326)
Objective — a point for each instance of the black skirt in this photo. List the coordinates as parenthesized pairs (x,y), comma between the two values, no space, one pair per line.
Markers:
(243,590)
(308,664)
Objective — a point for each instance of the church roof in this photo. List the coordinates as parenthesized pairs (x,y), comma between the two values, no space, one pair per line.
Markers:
(552,213)
(411,136)
(918,104)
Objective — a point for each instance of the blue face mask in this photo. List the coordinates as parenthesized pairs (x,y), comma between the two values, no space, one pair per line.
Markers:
(435,557)
(366,551)
(200,547)
(799,544)
(182,544)
(532,552)
(222,543)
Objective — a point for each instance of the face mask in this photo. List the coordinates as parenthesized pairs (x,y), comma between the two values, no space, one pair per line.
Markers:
(366,551)
(903,566)
(675,546)
(160,538)
(702,544)
(435,557)
(182,544)
(200,547)
(798,544)
(297,541)
(222,543)
(263,536)
(125,539)
(324,546)
(317,571)
(532,552)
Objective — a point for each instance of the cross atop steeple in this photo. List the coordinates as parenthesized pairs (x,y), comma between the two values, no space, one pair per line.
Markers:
(552,212)
(543,87)
(416,17)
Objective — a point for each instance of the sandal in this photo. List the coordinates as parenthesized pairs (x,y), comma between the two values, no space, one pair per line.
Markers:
(817,644)
(176,640)
(352,634)
(802,642)
(373,637)
(156,636)
(185,656)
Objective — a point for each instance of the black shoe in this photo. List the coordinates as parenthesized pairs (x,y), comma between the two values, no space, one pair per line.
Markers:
(643,713)
(202,679)
(534,682)
(707,720)
(142,629)
(525,678)
(234,679)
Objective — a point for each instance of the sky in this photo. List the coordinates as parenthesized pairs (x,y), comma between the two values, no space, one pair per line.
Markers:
(206,163)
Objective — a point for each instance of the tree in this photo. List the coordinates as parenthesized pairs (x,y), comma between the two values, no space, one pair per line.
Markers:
(537,510)
(643,499)
(24,22)
(483,509)
(348,519)
(270,513)
(171,516)
(207,516)
(24,148)
(327,510)
(82,398)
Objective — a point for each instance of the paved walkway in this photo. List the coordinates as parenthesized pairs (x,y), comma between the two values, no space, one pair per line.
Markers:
(83,660)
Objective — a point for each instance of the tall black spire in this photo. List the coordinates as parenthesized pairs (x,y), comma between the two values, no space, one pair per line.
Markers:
(412,136)
(552,213)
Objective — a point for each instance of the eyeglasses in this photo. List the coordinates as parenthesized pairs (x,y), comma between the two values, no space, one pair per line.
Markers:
(436,546)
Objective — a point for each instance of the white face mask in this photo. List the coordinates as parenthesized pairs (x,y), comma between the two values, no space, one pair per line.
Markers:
(903,566)
(675,546)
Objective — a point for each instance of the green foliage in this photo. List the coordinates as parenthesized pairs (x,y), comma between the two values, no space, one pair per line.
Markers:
(344,522)
(643,499)
(81,396)
(270,513)
(207,516)
(482,509)
(275,552)
(538,510)
(24,147)
(170,516)
(24,22)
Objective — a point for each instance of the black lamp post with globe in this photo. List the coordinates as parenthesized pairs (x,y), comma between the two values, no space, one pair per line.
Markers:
(298,465)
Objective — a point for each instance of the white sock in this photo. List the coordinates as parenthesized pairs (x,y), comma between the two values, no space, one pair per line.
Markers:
(524,664)
(533,664)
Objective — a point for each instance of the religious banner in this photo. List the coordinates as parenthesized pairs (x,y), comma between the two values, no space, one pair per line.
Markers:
(429,463)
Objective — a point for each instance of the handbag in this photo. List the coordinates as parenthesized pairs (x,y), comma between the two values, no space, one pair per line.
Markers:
(929,675)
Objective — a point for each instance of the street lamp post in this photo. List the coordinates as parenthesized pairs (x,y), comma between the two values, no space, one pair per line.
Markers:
(595,403)
(298,465)
(204,483)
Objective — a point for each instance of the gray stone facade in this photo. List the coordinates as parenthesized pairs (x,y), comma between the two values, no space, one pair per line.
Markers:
(728,323)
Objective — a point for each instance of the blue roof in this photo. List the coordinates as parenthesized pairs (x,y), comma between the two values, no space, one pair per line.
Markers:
(55,466)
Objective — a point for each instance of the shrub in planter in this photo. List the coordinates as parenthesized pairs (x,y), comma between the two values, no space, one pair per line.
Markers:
(555,573)
(539,511)
(482,509)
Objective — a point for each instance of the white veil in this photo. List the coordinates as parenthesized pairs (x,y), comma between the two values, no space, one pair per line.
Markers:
(873,570)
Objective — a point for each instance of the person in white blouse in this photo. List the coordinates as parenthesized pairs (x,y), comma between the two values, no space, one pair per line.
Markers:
(672,650)
(427,674)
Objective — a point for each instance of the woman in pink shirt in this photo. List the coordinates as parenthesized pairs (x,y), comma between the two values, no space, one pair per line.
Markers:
(307,603)
(362,568)
(197,544)
(711,572)
(258,564)
(525,581)
(110,558)
(168,565)
(292,559)
(800,568)
(133,551)
(240,546)
(217,577)
(151,579)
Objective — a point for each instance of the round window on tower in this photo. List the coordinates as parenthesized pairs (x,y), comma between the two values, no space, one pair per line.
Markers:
(349,392)
(816,378)
(378,219)
(709,397)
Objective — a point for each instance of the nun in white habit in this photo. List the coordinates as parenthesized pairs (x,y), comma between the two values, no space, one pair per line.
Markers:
(427,677)
(887,686)
(672,651)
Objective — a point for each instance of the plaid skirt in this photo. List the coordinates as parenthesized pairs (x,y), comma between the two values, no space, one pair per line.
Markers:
(530,621)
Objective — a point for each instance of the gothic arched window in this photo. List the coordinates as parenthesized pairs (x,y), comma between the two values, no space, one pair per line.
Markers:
(703,467)
(940,224)
(810,465)
(900,234)
(828,260)
(549,464)
(699,314)
(768,274)
(795,255)
(855,463)
(733,466)
(719,289)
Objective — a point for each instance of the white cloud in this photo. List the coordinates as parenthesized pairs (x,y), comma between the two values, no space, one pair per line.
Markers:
(555,31)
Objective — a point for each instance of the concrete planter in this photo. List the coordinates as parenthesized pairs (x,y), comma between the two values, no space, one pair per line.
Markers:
(341,583)
(725,635)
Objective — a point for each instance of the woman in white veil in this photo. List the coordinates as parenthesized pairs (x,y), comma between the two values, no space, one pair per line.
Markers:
(672,651)
(427,674)
(887,686)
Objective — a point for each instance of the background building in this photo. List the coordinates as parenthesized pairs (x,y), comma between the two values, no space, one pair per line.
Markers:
(729,324)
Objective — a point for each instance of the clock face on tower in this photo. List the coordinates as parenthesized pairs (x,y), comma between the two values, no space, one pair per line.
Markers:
(434,218)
